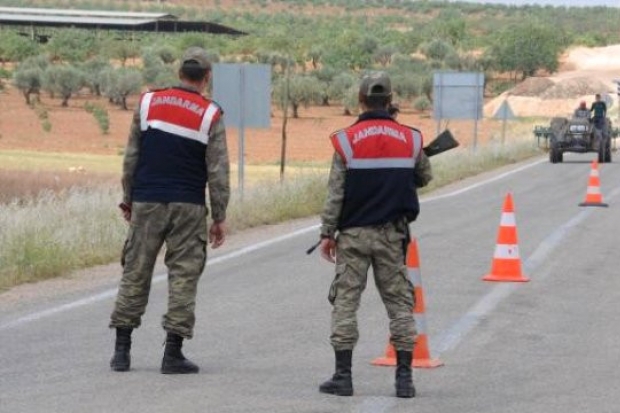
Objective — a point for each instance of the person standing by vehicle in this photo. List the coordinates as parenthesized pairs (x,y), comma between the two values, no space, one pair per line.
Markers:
(377,166)
(599,112)
(582,111)
(599,119)
(177,141)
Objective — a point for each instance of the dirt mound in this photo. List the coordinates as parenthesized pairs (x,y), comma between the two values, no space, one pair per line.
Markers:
(573,88)
(570,88)
(583,73)
(533,86)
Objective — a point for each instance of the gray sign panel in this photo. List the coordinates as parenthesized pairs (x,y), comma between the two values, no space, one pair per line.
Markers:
(244,92)
(458,95)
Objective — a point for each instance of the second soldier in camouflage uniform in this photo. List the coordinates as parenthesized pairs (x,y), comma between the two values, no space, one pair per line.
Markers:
(372,197)
(177,140)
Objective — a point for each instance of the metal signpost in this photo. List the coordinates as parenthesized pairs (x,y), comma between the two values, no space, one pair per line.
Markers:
(244,93)
(458,95)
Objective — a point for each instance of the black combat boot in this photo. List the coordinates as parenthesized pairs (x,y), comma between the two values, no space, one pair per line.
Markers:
(174,362)
(341,383)
(121,360)
(404,382)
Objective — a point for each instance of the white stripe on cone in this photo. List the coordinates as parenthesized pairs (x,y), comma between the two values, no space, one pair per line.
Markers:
(506,251)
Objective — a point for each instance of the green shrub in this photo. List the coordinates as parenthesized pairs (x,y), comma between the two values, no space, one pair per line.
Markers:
(47,125)
(100,114)
(421,103)
(43,116)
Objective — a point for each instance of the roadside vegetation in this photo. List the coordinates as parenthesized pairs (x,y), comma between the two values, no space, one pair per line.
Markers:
(63,224)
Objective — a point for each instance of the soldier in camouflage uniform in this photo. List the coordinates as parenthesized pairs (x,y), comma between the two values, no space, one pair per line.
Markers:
(377,166)
(177,140)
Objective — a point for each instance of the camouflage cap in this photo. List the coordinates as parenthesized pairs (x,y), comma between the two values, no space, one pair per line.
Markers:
(376,84)
(196,55)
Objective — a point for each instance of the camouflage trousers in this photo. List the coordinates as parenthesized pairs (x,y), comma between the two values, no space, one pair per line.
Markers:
(356,250)
(183,229)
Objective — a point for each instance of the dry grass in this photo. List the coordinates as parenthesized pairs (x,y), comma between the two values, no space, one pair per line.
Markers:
(461,163)
(24,174)
(54,233)
(57,162)
(59,222)
(18,185)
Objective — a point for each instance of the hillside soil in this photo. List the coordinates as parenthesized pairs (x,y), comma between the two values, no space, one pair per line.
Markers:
(73,129)
(583,73)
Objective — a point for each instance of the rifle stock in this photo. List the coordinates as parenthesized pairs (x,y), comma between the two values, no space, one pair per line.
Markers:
(443,142)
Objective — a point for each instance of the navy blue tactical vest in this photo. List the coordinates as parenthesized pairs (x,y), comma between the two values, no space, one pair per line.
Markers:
(175,125)
(380,156)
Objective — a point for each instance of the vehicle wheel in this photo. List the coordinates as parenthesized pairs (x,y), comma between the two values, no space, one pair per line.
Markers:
(607,157)
(602,154)
(555,155)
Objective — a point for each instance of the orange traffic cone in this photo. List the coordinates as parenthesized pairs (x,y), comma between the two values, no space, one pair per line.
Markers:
(421,354)
(506,264)
(593,194)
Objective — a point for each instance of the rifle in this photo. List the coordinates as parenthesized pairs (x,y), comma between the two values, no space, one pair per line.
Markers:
(442,142)
(312,248)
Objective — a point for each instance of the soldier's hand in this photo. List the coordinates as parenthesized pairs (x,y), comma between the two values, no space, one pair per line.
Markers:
(217,234)
(126,210)
(328,249)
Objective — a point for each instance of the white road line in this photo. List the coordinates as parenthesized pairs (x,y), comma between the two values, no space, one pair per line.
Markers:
(243,251)
(485,182)
(450,338)
(156,279)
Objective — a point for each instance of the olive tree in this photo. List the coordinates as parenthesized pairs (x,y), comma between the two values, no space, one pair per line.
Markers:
(28,80)
(16,48)
(63,80)
(437,49)
(383,55)
(339,87)
(92,70)
(351,100)
(450,26)
(119,84)
(72,45)
(302,90)
(526,47)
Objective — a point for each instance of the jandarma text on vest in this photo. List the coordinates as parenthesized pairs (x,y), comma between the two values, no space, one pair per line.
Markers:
(378,130)
(180,102)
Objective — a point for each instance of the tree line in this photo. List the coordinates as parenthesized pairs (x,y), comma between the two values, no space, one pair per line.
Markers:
(323,56)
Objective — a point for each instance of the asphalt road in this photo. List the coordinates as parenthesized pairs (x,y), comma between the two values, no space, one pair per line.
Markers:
(262,330)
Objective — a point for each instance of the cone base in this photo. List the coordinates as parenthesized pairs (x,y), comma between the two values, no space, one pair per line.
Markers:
(384,361)
(509,278)
(427,363)
(596,204)
(422,364)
